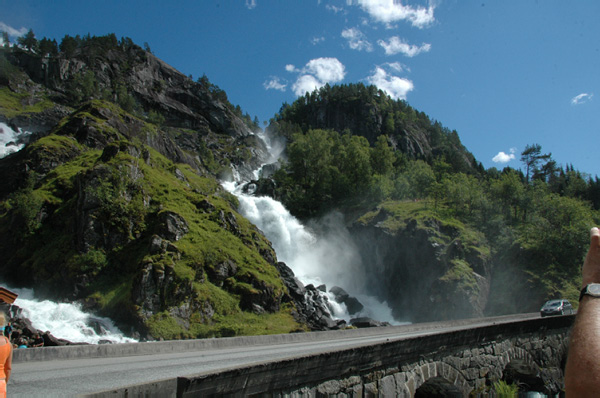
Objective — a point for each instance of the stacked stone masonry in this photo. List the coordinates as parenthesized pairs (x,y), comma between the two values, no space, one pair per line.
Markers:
(454,364)
(470,371)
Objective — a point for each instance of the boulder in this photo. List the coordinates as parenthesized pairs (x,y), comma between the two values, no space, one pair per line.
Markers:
(260,187)
(295,287)
(51,341)
(366,322)
(341,296)
(221,271)
(311,304)
(172,226)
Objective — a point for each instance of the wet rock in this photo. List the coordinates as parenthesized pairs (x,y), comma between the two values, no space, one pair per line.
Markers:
(51,341)
(269,169)
(260,187)
(365,322)
(311,305)
(295,287)
(341,296)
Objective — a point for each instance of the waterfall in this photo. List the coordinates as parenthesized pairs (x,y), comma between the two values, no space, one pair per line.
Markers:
(326,257)
(66,321)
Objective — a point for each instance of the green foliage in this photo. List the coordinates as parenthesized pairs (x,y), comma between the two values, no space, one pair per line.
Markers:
(26,205)
(14,104)
(124,99)
(382,157)
(415,181)
(5,39)
(369,112)
(505,390)
(48,47)
(326,168)
(91,262)
(239,324)
(82,87)
(461,275)
(118,207)
(68,45)
(28,41)
(532,158)
(7,71)
(155,118)
(536,222)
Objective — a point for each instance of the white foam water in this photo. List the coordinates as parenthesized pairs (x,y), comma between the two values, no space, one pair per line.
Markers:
(66,320)
(10,140)
(328,258)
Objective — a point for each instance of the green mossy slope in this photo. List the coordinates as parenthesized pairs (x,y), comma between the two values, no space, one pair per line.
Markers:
(148,242)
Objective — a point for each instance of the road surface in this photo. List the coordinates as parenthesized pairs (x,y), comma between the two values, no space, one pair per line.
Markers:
(73,377)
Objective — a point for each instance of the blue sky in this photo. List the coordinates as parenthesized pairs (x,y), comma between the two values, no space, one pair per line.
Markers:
(503,74)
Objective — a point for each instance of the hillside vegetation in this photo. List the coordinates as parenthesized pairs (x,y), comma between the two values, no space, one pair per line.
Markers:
(352,147)
(116,202)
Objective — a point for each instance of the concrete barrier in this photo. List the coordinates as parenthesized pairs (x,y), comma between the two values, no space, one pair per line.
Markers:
(328,371)
(283,375)
(174,346)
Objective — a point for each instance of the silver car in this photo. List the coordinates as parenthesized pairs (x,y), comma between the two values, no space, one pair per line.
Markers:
(557,307)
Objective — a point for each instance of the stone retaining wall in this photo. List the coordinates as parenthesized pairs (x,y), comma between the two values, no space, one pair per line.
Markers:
(458,364)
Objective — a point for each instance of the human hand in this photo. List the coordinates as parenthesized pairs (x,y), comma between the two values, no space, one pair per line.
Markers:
(591,266)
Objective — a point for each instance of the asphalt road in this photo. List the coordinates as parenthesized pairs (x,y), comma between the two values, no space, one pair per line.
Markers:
(61,378)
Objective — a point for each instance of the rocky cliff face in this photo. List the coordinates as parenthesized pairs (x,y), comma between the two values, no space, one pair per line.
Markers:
(423,267)
(98,216)
(195,118)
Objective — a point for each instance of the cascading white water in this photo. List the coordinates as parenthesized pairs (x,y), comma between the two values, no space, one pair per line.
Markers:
(67,321)
(10,140)
(328,258)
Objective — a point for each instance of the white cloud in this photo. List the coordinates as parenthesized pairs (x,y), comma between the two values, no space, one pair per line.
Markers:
(327,70)
(396,87)
(12,31)
(398,67)
(275,84)
(396,45)
(334,8)
(581,98)
(316,73)
(390,11)
(291,68)
(306,83)
(317,40)
(503,157)
(250,4)
(356,40)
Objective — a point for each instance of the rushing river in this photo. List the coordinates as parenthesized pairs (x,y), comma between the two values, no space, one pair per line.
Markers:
(67,321)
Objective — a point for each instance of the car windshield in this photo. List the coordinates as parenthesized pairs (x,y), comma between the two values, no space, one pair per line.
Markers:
(553,304)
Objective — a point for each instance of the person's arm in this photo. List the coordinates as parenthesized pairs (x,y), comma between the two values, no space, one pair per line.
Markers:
(8,363)
(582,372)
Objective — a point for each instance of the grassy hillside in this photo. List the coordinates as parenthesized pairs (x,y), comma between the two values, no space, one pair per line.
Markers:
(94,224)
(532,227)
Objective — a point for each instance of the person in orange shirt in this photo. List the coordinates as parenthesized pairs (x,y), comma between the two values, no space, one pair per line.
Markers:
(6,352)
